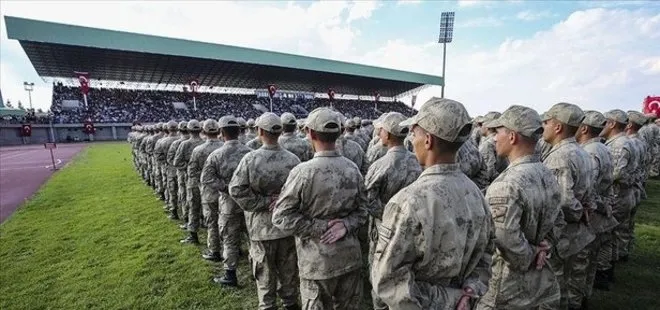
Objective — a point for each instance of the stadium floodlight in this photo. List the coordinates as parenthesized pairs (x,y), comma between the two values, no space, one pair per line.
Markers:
(29,87)
(446,35)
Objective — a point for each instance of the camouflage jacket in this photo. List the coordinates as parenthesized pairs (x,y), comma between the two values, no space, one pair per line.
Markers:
(351,150)
(217,173)
(255,185)
(640,153)
(327,187)
(623,161)
(435,239)
(525,204)
(375,151)
(184,151)
(388,175)
(572,167)
(171,153)
(162,147)
(602,180)
(543,149)
(197,160)
(151,143)
(494,164)
(472,164)
(297,146)
(254,143)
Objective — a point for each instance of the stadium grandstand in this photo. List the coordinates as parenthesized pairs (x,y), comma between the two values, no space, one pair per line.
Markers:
(114,79)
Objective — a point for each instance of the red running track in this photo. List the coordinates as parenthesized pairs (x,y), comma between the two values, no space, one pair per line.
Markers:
(23,169)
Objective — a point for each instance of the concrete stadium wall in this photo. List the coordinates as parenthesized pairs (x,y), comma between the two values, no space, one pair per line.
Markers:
(10,134)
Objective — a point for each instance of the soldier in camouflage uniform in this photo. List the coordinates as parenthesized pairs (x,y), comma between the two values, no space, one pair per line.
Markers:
(156,178)
(251,130)
(255,187)
(650,133)
(243,130)
(387,176)
(601,220)
(255,143)
(193,187)
(623,173)
(324,203)
(494,164)
(301,129)
(181,160)
(353,134)
(351,149)
(160,153)
(144,160)
(436,240)
(376,148)
(572,166)
(289,141)
(476,134)
(635,121)
(217,174)
(472,164)
(525,205)
(174,199)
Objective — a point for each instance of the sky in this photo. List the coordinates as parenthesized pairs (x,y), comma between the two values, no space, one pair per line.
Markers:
(600,55)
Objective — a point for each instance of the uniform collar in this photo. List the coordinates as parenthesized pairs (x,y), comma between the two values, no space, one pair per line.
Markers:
(532,158)
(442,169)
(232,142)
(333,153)
(594,140)
(617,136)
(397,149)
(562,143)
(272,147)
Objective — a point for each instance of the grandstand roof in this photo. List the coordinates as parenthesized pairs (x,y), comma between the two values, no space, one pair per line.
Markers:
(57,50)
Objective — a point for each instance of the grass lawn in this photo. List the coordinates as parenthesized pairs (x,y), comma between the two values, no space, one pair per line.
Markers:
(96,237)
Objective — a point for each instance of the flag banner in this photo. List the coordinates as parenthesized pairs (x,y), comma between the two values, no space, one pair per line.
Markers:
(651,105)
(83,78)
(377,96)
(272,90)
(331,94)
(194,85)
(88,127)
(26,130)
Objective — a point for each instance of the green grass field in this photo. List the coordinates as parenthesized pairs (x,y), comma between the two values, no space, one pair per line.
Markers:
(96,237)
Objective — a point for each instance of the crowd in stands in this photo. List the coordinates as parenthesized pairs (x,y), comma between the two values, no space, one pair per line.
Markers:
(106,105)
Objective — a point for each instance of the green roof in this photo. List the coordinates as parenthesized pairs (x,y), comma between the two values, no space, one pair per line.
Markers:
(29,32)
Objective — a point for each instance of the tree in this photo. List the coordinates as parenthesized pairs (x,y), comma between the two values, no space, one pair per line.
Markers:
(20,106)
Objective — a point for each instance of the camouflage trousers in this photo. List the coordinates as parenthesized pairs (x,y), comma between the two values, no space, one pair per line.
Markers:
(157,177)
(232,227)
(571,274)
(654,170)
(275,269)
(164,190)
(623,211)
(342,292)
(600,258)
(172,193)
(182,199)
(194,202)
(213,241)
(144,168)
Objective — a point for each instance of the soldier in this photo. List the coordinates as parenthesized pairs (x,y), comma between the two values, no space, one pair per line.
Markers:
(600,220)
(376,148)
(352,134)
(387,176)
(301,129)
(494,164)
(635,121)
(623,174)
(351,149)
(324,203)
(181,160)
(243,129)
(174,179)
(650,133)
(193,189)
(255,186)
(525,204)
(255,143)
(367,128)
(160,153)
(251,130)
(142,143)
(472,164)
(156,178)
(435,242)
(291,142)
(573,169)
(477,131)
(359,132)
(218,170)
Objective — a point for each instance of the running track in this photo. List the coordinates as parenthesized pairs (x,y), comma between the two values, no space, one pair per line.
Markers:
(23,169)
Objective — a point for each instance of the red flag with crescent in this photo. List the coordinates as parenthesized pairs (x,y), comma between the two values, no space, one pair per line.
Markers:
(377,96)
(194,85)
(26,130)
(331,94)
(83,78)
(272,90)
(88,127)
(652,105)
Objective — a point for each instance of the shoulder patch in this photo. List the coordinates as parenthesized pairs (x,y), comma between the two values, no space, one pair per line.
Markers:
(498,200)
(385,232)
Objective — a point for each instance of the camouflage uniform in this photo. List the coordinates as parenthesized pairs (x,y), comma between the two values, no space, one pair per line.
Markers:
(254,143)
(154,170)
(257,179)
(354,135)
(543,149)
(353,151)
(573,169)
(494,164)
(325,188)
(293,144)
(436,236)
(250,134)
(375,151)
(641,152)
(160,152)
(601,219)
(194,187)
(472,164)
(650,133)
(181,160)
(144,158)
(174,200)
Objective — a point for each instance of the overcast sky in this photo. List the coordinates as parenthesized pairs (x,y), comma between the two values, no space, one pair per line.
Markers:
(599,55)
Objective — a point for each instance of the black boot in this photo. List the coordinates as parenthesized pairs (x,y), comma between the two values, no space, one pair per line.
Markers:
(173,215)
(229,279)
(192,238)
(292,307)
(610,274)
(212,256)
(601,281)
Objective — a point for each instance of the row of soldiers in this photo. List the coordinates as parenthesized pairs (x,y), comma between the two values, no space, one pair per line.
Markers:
(506,211)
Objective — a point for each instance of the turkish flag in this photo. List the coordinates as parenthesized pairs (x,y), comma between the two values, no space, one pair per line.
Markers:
(652,105)
(272,90)
(26,130)
(331,94)
(88,128)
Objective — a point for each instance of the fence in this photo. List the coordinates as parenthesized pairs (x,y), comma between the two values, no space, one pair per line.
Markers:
(10,134)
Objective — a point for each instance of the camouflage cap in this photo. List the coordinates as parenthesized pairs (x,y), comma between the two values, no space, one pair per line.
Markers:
(194,125)
(241,122)
(617,115)
(391,123)
(567,113)
(323,120)
(651,116)
(211,126)
(522,120)
(350,123)
(301,123)
(443,118)
(478,119)
(269,122)
(489,117)
(288,119)
(637,118)
(172,125)
(250,122)
(594,119)
(228,121)
(357,120)
(366,122)
(377,122)
(183,125)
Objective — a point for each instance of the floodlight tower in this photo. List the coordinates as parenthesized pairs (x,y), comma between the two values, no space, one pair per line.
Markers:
(29,87)
(446,35)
